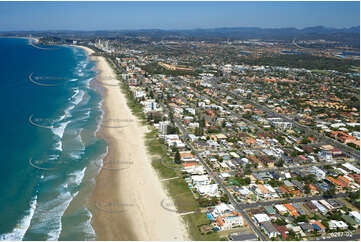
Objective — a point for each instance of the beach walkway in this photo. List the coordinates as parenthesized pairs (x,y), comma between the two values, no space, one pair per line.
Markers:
(167,179)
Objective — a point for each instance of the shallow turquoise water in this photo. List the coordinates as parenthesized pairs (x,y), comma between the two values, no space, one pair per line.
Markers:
(47,198)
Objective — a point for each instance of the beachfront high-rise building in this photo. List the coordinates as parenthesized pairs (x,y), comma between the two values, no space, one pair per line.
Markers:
(163,127)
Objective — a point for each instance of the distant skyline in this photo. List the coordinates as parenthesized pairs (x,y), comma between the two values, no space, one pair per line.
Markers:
(16,16)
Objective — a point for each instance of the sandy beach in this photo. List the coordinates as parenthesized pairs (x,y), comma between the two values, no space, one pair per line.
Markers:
(128,198)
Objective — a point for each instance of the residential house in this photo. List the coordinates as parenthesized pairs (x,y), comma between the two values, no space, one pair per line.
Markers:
(200,179)
(281,209)
(321,208)
(318,227)
(208,190)
(349,220)
(334,224)
(306,227)
(261,218)
(356,216)
(270,230)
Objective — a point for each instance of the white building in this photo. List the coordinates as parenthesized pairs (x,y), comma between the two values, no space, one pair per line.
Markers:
(356,216)
(326,204)
(320,174)
(334,224)
(149,105)
(321,208)
(209,190)
(201,180)
(232,222)
(351,168)
(280,124)
(222,209)
(163,125)
(194,170)
(281,209)
(244,191)
(261,218)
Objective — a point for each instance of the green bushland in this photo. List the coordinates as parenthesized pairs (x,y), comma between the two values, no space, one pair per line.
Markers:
(309,62)
(155,68)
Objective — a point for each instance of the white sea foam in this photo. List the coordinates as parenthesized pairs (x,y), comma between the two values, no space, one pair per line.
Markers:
(87,81)
(78,97)
(49,177)
(77,176)
(85,115)
(50,214)
(100,107)
(76,154)
(76,91)
(59,131)
(53,157)
(21,228)
(53,211)
(87,228)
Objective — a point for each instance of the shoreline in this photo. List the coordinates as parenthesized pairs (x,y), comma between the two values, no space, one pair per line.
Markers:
(128,200)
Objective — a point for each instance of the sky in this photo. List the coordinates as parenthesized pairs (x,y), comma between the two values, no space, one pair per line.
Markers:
(174,15)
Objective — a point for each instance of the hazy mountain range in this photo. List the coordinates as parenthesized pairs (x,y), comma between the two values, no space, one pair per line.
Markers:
(347,35)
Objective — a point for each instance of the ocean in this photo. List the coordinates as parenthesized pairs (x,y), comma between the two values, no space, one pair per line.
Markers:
(50,154)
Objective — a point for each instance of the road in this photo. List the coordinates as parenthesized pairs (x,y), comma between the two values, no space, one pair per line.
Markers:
(239,207)
(215,177)
(348,150)
(290,200)
(290,168)
(206,96)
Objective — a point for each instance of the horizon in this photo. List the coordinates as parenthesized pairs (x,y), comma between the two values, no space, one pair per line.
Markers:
(185,29)
(127,16)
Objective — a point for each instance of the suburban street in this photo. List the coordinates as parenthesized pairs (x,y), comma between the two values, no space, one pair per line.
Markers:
(345,148)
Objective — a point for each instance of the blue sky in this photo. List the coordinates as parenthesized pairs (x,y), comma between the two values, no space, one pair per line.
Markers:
(174,15)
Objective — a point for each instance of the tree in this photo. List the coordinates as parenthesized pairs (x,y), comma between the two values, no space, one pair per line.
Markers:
(307,189)
(330,192)
(171,118)
(177,158)
(202,123)
(280,222)
(301,218)
(224,198)
(171,129)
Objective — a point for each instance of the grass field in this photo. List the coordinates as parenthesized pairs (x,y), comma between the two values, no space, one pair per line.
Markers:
(194,221)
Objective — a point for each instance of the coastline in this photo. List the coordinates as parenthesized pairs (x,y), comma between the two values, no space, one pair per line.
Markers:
(127,201)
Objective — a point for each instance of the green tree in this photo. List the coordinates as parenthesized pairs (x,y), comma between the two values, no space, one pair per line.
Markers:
(177,158)
(307,189)
(224,198)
